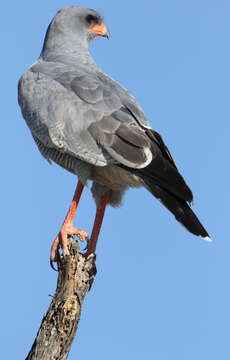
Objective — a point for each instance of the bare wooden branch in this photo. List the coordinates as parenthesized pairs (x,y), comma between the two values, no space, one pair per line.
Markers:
(59,325)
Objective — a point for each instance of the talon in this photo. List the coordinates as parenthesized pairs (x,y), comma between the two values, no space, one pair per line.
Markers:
(54,249)
(52,265)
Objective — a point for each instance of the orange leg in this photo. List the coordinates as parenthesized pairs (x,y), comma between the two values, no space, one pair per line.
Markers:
(97,224)
(67,226)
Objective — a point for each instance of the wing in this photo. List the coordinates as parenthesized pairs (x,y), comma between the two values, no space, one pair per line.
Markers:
(127,99)
(76,113)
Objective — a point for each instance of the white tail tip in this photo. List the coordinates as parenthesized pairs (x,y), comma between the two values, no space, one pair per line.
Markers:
(207,238)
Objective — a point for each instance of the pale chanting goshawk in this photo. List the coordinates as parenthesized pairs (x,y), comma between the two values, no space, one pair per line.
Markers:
(89,124)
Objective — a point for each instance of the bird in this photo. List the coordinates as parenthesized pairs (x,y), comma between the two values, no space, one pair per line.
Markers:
(89,124)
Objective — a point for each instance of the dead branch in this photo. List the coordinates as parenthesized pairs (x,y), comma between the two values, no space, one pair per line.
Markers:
(59,325)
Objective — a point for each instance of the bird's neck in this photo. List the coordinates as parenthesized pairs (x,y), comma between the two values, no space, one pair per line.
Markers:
(66,50)
(70,58)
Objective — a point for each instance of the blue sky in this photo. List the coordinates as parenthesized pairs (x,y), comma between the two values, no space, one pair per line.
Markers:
(160,292)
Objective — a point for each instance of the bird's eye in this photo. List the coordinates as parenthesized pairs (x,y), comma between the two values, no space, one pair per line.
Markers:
(91,19)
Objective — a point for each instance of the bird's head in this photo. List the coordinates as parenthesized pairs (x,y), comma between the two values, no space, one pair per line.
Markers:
(76,24)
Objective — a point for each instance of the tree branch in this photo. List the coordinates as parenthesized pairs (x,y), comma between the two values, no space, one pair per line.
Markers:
(59,325)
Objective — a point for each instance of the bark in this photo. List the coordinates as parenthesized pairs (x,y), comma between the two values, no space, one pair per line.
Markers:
(59,325)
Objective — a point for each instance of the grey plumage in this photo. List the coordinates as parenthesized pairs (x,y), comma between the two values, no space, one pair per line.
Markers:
(88,123)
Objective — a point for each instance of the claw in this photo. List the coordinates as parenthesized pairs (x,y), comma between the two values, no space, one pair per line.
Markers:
(52,265)
(55,259)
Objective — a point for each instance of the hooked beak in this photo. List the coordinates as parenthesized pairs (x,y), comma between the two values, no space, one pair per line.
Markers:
(100,30)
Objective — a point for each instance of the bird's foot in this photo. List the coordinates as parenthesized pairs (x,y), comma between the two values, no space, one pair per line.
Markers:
(62,241)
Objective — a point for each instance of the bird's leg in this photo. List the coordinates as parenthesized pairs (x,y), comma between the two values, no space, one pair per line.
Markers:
(97,223)
(67,226)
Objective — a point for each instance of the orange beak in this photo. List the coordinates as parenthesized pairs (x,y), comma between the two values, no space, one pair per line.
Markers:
(99,29)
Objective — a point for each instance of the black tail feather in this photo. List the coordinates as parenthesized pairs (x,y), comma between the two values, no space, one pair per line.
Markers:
(162,178)
(162,173)
(181,210)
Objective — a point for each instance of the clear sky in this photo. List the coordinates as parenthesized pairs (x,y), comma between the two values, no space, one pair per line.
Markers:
(160,292)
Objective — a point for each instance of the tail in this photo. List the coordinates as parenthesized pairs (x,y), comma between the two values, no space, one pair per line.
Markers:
(180,208)
(162,178)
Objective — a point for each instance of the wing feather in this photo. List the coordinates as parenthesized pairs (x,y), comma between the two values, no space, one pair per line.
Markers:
(78,113)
